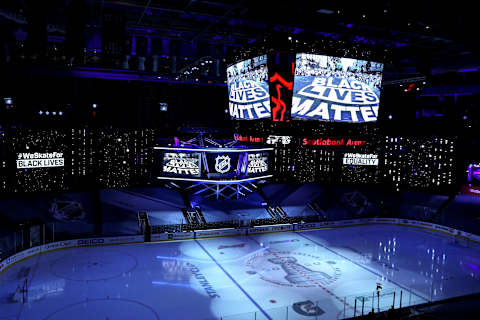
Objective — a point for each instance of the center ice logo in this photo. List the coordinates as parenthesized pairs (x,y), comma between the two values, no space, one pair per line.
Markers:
(297,273)
(293,269)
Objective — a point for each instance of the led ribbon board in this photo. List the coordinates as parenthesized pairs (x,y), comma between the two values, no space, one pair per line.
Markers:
(328,142)
(273,139)
(336,89)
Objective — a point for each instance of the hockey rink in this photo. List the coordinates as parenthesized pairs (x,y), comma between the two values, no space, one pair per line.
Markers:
(320,274)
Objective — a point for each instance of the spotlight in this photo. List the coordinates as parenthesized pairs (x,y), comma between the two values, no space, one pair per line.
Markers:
(390,117)
(60,113)
(40,112)
(47,113)
(94,106)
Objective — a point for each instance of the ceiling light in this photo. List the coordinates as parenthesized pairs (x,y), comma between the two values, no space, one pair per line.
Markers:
(326,11)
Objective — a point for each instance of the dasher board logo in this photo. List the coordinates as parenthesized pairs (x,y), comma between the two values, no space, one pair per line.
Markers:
(307,308)
(26,160)
(257,163)
(336,89)
(248,96)
(359,159)
(222,164)
(187,164)
(293,269)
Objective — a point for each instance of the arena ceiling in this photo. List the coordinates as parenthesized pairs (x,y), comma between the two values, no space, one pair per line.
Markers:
(420,32)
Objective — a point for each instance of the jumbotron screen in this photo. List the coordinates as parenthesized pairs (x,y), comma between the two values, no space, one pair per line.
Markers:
(182,164)
(336,89)
(248,95)
(205,164)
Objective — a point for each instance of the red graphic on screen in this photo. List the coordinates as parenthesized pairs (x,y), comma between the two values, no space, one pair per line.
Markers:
(278,112)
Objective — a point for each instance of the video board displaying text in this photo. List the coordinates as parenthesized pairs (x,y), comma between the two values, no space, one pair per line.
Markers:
(181,164)
(211,164)
(248,94)
(257,163)
(336,89)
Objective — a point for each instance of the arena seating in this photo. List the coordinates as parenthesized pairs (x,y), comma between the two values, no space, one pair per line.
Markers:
(288,204)
(461,213)
(247,208)
(119,208)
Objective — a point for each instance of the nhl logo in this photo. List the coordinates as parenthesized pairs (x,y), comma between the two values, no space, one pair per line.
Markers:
(222,164)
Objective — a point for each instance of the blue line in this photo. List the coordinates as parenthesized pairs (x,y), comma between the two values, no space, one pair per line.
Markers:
(363,267)
(235,282)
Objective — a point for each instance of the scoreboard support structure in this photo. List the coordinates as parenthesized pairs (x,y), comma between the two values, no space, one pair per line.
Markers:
(231,190)
(221,169)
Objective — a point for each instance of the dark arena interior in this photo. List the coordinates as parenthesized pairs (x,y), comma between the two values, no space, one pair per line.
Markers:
(239,160)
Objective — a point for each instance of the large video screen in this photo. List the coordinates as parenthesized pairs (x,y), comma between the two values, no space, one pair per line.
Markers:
(248,95)
(185,164)
(37,160)
(210,164)
(336,89)
(222,164)
(257,163)
(473,179)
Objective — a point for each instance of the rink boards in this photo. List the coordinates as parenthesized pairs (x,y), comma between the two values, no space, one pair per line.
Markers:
(230,233)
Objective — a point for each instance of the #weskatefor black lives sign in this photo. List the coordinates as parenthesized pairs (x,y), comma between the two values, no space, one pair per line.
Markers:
(26,160)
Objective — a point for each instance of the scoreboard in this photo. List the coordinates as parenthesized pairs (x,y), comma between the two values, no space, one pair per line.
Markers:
(204,164)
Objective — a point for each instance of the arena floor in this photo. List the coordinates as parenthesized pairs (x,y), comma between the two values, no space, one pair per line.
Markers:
(296,275)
